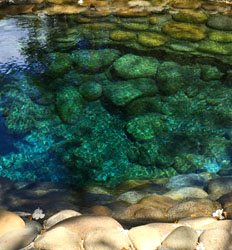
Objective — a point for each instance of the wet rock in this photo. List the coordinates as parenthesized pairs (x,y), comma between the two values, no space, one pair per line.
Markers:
(220,36)
(220,22)
(91,91)
(135,26)
(186,4)
(9,221)
(106,239)
(182,47)
(59,238)
(215,239)
(193,207)
(131,66)
(94,61)
(119,35)
(83,224)
(124,92)
(186,192)
(220,186)
(151,40)
(218,224)
(190,16)
(101,210)
(182,238)
(99,26)
(197,222)
(214,48)
(209,73)
(150,236)
(184,31)
(131,12)
(153,20)
(131,196)
(170,78)
(188,180)
(62,215)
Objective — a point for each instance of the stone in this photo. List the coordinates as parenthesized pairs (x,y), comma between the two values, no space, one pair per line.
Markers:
(190,16)
(169,78)
(220,36)
(131,196)
(184,31)
(193,207)
(197,222)
(83,224)
(220,22)
(186,4)
(131,12)
(62,215)
(91,91)
(10,221)
(215,48)
(215,239)
(124,92)
(220,186)
(182,47)
(186,192)
(209,73)
(99,26)
(150,236)
(59,238)
(138,3)
(131,66)
(218,224)
(151,40)
(101,210)
(120,35)
(135,26)
(153,20)
(181,238)
(186,180)
(94,61)
(106,239)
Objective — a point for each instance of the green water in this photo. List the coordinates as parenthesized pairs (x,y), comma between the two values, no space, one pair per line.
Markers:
(80,107)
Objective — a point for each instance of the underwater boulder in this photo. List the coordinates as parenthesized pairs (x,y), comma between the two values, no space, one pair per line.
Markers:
(91,91)
(215,48)
(124,92)
(94,61)
(209,72)
(220,36)
(190,16)
(131,66)
(120,35)
(220,22)
(151,40)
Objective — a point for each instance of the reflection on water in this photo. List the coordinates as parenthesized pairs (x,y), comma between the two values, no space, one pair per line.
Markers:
(111,99)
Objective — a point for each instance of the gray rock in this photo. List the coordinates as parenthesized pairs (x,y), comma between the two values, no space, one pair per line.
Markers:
(220,22)
(220,186)
(187,180)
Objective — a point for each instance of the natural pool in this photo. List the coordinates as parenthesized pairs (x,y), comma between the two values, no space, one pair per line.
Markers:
(109,97)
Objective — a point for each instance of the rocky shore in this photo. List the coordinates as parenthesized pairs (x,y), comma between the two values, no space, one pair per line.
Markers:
(190,212)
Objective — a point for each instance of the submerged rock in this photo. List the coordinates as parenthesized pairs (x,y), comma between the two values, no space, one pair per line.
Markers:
(131,66)
(190,16)
(209,72)
(220,22)
(91,91)
(119,35)
(150,40)
(220,36)
(215,48)
(184,31)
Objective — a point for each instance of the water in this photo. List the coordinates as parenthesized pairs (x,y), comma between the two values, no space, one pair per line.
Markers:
(109,99)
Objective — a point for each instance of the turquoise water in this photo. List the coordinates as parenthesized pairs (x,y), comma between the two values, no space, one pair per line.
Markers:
(79,108)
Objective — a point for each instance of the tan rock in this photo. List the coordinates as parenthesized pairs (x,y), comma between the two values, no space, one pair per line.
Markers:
(220,186)
(101,210)
(193,208)
(186,4)
(186,192)
(9,222)
(150,213)
(215,239)
(83,224)
(219,224)
(62,215)
(59,238)
(106,239)
(197,222)
(150,236)
(182,238)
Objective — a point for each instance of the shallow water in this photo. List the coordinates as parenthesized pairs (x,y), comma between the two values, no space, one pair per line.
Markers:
(79,106)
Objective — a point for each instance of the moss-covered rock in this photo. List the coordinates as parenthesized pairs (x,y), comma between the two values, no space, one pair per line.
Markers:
(220,36)
(153,20)
(190,16)
(58,64)
(209,72)
(135,26)
(100,26)
(145,127)
(69,104)
(131,66)
(169,78)
(215,48)
(184,31)
(93,61)
(91,91)
(186,4)
(119,35)
(220,22)
(125,91)
(150,40)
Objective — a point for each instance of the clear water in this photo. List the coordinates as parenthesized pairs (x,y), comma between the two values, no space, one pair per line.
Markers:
(52,129)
